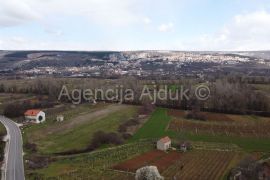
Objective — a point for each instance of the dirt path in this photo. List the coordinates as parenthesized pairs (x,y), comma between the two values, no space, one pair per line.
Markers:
(94,116)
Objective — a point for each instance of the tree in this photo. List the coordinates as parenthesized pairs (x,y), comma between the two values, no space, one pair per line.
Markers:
(148,173)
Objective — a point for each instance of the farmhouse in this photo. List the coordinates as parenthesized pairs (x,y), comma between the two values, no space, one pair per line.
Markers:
(34,115)
(164,143)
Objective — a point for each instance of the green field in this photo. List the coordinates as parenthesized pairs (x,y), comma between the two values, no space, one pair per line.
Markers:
(157,124)
(73,135)
(98,164)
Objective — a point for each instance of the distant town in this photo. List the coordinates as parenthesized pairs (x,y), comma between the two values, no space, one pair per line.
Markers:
(142,64)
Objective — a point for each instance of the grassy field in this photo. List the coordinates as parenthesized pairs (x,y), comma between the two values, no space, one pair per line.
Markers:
(76,132)
(156,127)
(94,165)
(99,164)
(223,151)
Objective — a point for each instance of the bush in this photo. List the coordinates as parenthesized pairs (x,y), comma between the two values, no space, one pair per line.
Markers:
(32,147)
(101,138)
(197,116)
(38,162)
(123,127)
(126,136)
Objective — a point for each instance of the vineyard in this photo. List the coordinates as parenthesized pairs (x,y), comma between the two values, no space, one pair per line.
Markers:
(259,129)
(156,158)
(197,164)
(93,165)
(203,164)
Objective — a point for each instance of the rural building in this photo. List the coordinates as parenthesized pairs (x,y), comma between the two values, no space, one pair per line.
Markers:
(35,116)
(59,118)
(185,146)
(164,144)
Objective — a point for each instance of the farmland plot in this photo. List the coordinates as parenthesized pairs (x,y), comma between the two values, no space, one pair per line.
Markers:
(248,129)
(93,165)
(202,164)
(156,158)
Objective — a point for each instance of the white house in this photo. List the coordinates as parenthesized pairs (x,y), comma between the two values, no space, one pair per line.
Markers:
(164,144)
(35,116)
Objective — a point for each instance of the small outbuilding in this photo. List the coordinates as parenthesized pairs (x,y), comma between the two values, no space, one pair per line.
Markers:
(164,143)
(59,118)
(35,116)
(185,146)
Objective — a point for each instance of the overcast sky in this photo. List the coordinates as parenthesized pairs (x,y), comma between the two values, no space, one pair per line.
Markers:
(135,24)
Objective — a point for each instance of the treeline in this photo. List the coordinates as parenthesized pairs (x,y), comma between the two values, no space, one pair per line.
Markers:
(227,94)
(18,109)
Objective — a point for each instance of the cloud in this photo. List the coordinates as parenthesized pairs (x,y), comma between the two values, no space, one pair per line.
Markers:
(107,12)
(23,43)
(245,32)
(166,27)
(147,20)
(15,12)
(55,32)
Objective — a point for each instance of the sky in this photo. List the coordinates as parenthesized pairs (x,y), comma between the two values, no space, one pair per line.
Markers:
(122,25)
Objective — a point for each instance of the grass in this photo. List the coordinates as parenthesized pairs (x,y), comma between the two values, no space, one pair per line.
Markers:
(155,127)
(36,132)
(92,164)
(79,137)
(247,144)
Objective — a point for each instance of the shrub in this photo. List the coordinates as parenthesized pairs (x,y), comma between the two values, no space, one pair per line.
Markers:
(101,138)
(38,162)
(32,147)
(126,136)
(123,127)
(197,116)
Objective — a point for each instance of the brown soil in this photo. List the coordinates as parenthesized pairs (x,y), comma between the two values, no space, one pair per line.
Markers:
(156,158)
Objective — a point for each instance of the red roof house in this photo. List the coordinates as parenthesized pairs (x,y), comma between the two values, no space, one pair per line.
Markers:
(34,115)
(164,143)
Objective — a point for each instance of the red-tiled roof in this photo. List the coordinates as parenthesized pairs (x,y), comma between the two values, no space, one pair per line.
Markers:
(165,139)
(32,112)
